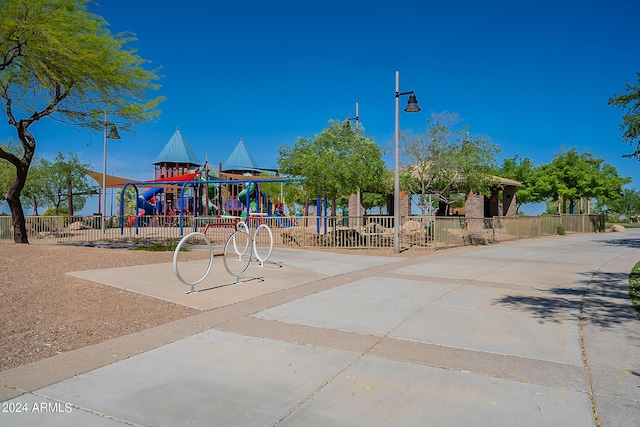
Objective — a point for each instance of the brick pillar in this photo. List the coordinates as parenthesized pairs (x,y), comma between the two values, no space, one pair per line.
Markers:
(509,201)
(355,212)
(405,207)
(474,205)
(473,211)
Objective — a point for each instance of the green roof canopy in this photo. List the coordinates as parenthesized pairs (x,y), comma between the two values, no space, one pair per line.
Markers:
(241,160)
(178,150)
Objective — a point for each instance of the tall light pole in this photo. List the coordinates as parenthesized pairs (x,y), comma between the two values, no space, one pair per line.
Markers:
(358,201)
(412,107)
(356,118)
(113,134)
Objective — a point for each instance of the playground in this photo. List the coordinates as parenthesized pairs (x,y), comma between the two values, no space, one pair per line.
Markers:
(184,186)
(187,195)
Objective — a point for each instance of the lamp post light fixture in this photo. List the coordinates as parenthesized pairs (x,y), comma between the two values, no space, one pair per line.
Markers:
(358,193)
(113,134)
(412,107)
(356,118)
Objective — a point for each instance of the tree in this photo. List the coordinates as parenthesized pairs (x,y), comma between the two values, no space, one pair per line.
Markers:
(572,176)
(288,191)
(338,162)
(7,176)
(62,181)
(628,204)
(630,126)
(130,201)
(293,196)
(372,200)
(6,172)
(523,171)
(59,61)
(442,162)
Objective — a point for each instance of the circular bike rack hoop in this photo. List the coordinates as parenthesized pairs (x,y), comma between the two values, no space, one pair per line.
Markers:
(175,260)
(250,243)
(232,240)
(255,249)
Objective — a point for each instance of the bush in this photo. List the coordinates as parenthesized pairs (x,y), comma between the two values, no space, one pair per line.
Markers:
(560,230)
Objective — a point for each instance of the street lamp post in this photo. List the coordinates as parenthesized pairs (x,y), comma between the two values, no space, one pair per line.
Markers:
(356,118)
(358,193)
(412,107)
(113,134)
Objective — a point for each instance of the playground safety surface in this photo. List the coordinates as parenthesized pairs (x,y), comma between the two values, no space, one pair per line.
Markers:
(531,332)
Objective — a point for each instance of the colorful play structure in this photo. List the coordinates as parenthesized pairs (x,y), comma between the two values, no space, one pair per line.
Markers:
(185,186)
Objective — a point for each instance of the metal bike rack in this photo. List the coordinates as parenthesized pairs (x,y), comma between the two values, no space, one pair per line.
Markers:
(231,241)
(175,260)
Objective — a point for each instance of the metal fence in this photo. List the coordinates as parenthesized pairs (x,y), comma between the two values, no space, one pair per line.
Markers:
(366,232)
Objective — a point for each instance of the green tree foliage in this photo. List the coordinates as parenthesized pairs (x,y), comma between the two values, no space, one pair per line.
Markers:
(61,184)
(523,171)
(342,203)
(60,61)
(572,176)
(551,207)
(627,205)
(338,162)
(293,197)
(443,162)
(630,102)
(289,191)
(130,201)
(371,201)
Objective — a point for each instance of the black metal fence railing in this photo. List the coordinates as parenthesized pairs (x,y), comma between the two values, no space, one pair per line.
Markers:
(365,232)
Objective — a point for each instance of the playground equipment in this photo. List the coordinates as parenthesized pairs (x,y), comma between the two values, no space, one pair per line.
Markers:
(249,197)
(145,202)
(182,200)
(209,197)
(241,237)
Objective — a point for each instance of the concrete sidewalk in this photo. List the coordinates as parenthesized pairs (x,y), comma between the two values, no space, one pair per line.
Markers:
(528,333)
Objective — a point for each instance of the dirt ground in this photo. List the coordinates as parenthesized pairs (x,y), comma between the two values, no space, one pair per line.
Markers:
(44,311)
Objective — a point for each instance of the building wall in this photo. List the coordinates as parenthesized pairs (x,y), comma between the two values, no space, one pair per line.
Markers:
(492,207)
(405,205)
(478,206)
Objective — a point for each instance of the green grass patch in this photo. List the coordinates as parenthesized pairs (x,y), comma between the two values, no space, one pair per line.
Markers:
(634,288)
(160,247)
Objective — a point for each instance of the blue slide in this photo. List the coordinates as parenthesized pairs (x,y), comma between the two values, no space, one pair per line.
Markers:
(143,201)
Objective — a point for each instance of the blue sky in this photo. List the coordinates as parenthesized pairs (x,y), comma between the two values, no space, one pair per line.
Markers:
(534,77)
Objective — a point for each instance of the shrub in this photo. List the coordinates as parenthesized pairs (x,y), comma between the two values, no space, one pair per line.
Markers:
(560,230)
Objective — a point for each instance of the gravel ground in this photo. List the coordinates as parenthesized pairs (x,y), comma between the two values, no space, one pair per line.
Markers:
(44,311)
